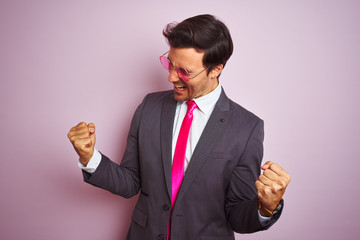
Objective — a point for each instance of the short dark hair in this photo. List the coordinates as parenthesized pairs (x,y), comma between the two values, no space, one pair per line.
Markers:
(204,33)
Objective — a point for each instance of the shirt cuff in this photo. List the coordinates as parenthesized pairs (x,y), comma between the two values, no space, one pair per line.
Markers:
(92,164)
(265,220)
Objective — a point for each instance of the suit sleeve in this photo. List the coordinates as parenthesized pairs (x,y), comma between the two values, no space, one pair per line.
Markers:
(123,179)
(241,199)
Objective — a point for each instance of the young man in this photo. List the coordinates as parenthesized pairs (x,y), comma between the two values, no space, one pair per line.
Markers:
(193,154)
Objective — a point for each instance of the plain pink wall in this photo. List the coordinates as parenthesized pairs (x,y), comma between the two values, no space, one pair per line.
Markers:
(295,64)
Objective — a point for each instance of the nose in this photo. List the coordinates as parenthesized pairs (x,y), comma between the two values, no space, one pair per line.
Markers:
(173,76)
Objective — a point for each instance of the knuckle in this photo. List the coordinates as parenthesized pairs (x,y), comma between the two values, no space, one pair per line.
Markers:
(267,191)
(288,177)
(283,183)
(79,126)
(274,166)
(278,188)
(261,179)
(257,184)
(274,187)
(267,172)
(269,163)
(88,143)
(77,145)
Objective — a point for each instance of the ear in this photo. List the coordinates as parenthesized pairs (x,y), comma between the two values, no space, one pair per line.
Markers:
(215,72)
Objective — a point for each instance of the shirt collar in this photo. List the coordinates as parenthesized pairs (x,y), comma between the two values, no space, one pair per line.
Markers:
(207,103)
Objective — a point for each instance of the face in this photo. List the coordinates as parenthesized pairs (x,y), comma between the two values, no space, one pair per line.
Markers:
(191,60)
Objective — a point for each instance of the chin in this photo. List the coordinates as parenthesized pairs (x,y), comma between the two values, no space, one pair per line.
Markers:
(180,98)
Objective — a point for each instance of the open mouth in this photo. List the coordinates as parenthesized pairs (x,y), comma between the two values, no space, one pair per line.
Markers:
(180,87)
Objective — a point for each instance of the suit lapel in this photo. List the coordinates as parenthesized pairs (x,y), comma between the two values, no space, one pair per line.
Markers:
(166,125)
(208,138)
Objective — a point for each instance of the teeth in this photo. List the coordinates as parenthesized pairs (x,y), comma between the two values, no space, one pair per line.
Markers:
(179,87)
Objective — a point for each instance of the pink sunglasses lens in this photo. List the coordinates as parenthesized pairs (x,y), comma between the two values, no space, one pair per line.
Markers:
(182,74)
(165,62)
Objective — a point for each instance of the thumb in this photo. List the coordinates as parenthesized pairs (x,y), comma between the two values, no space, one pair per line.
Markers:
(91,127)
(266,165)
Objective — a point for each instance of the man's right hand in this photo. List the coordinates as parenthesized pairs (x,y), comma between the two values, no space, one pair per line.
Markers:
(82,137)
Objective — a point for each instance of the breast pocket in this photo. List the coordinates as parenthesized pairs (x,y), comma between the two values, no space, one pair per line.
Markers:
(220,156)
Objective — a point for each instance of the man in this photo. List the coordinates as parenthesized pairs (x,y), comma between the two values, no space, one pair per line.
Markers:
(193,154)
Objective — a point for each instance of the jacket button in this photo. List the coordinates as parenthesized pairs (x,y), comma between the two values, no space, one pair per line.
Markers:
(166,207)
(161,237)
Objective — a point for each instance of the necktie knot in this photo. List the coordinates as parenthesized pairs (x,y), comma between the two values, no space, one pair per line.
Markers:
(191,106)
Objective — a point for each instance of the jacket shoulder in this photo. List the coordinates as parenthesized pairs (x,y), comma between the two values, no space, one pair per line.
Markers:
(239,110)
(156,100)
(158,96)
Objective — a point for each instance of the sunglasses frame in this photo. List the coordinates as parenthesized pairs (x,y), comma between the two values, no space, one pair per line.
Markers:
(181,72)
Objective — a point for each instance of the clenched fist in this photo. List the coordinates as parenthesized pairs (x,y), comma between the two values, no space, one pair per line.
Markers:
(82,137)
(271,186)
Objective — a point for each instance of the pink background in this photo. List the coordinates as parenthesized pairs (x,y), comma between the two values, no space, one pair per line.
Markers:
(295,64)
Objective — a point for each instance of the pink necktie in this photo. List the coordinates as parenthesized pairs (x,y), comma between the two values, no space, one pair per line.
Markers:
(177,173)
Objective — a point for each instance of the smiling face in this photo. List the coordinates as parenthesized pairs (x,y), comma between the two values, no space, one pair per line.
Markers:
(191,60)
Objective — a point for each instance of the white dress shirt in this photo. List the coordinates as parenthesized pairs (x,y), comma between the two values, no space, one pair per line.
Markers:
(201,115)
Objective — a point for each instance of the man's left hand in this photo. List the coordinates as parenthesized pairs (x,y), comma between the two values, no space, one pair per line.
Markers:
(271,185)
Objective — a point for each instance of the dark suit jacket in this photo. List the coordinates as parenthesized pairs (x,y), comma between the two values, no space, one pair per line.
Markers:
(218,193)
